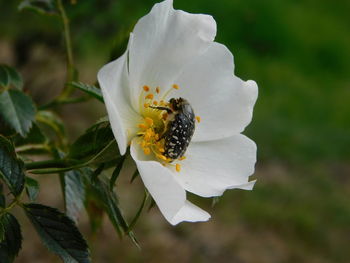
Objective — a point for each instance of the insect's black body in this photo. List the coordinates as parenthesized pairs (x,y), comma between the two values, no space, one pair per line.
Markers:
(180,128)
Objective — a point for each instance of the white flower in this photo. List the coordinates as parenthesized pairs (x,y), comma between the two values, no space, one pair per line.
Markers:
(172,54)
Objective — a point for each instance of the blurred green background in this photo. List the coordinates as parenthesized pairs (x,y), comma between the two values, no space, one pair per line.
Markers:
(298,51)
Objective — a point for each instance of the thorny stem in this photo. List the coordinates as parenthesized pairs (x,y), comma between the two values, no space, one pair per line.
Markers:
(70,62)
(71,72)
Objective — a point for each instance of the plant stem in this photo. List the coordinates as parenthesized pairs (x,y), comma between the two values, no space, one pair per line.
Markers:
(58,163)
(64,101)
(67,90)
(27,147)
(11,205)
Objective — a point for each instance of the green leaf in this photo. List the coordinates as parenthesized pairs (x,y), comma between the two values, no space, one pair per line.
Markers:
(134,175)
(89,89)
(9,76)
(12,242)
(138,213)
(95,141)
(35,136)
(4,142)
(116,171)
(108,200)
(74,193)
(11,170)
(94,210)
(46,7)
(59,233)
(32,188)
(97,172)
(52,121)
(2,231)
(18,110)
(35,142)
(2,196)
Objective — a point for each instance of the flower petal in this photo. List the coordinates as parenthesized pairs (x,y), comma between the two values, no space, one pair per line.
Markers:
(165,190)
(164,41)
(223,101)
(113,79)
(212,167)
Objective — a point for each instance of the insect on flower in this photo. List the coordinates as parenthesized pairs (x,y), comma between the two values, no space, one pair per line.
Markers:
(173,98)
(180,127)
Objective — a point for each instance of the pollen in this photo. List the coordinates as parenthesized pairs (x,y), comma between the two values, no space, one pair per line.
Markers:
(182,158)
(145,88)
(198,119)
(149,96)
(149,121)
(147,151)
(142,126)
(161,156)
(155,103)
(146,105)
(175,86)
(151,129)
(178,167)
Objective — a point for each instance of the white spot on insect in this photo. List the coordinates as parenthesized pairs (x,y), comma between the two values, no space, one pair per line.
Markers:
(175,137)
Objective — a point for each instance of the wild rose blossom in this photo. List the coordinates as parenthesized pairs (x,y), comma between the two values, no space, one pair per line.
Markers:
(172,54)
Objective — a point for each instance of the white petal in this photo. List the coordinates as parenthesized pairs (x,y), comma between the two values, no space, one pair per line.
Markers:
(212,167)
(165,190)
(113,79)
(223,101)
(164,41)
(191,212)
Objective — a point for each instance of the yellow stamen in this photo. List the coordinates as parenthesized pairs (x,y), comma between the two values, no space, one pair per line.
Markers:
(157,90)
(161,103)
(146,88)
(182,158)
(149,96)
(146,105)
(155,103)
(149,121)
(147,151)
(198,119)
(142,126)
(161,156)
(178,167)
(175,86)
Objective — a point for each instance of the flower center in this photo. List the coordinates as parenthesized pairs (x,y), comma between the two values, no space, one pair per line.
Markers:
(157,113)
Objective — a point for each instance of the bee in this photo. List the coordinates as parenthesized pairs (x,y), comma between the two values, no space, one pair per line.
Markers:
(180,127)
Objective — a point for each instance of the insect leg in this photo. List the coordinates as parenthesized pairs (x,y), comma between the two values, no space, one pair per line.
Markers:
(169,111)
